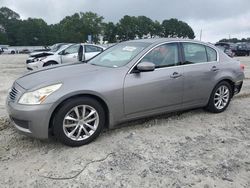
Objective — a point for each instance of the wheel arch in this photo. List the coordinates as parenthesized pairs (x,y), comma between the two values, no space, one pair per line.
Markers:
(96,97)
(225,79)
(230,81)
(49,62)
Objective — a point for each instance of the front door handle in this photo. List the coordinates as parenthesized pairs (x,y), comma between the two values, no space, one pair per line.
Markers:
(214,68)
(175,75)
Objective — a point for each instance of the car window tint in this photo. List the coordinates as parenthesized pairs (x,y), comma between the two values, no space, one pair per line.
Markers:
(72,49)
(89,48)
(165,55)
(194,53)
(211,54)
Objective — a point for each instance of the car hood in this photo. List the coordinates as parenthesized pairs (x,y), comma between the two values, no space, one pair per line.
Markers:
(40,54)
(56,74)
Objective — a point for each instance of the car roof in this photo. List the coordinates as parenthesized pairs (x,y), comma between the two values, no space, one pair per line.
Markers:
(156,41)
(161,40)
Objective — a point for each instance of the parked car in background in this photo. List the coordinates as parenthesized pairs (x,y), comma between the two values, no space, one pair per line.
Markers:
(7,50)
(24,51)
(54,48)
(228,48)
(67,54)
(130,80)
(237,49)
(243,49)
(227,51)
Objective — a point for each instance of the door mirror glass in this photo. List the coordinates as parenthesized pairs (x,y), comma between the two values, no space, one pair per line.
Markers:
(145,66)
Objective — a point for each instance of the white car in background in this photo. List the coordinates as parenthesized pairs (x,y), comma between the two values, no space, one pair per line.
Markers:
(67,54)
(6,50)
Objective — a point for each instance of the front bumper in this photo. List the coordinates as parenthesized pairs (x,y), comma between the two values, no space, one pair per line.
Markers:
(33,66)
(32,120)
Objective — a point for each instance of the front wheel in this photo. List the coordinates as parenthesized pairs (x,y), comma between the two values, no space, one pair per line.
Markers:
(79,121)
(220,97)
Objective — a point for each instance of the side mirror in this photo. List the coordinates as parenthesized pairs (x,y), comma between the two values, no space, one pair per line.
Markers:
(145,67)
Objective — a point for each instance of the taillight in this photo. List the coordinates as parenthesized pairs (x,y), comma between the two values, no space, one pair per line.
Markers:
(242,67)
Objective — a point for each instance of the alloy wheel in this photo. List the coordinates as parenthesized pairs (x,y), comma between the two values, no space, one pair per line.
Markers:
(80,122)
(221,97)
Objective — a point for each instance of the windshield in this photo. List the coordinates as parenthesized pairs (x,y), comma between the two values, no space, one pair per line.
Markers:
(57,47)
(119,55)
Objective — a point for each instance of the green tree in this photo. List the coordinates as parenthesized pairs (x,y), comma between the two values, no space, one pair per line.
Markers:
(145,26)
(176,28)
(127,28)
(109,32)
(8,13)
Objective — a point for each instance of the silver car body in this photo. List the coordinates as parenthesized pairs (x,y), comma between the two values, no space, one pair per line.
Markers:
(124,94)
(59,57)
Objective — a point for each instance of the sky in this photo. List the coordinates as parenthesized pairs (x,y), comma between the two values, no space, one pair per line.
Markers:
(216,18)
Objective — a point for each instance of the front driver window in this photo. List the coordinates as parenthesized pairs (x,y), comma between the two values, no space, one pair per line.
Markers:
(165,55)
(72,49)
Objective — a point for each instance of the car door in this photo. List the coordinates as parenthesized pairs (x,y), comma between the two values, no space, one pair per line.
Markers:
(91,51)
(70,54)
(200,70)
(158,90)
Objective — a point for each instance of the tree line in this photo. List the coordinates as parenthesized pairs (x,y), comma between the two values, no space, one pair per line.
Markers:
(76,28)
(235,40)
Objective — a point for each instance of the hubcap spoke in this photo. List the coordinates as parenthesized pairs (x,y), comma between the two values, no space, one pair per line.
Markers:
(70,118)
(90,120)
(85,131)
(92,112)
(79,133)
(76,110)
(90,126)
(73,132)
(70,125)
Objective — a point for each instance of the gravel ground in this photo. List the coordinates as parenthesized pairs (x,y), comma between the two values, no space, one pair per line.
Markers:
(186,149)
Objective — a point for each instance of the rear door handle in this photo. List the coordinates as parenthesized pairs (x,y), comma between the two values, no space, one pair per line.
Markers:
(175,75)
(214,68)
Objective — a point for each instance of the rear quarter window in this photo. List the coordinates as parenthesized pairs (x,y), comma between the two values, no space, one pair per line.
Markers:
(211,54)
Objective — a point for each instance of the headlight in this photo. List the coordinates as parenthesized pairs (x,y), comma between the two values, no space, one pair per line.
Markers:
(39,59)
(38,96)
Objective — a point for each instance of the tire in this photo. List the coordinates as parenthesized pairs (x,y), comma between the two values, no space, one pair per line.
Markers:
(12,52)
(50,63)
(71,130)
(214,104)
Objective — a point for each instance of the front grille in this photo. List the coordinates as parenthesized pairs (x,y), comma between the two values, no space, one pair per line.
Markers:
(13,94)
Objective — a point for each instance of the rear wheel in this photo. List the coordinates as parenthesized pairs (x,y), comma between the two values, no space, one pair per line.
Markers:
(12,52)
(220,97)
(79,121)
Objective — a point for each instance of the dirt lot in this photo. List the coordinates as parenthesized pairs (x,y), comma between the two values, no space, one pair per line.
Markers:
(187,149)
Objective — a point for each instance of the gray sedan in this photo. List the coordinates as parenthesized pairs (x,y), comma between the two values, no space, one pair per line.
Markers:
(130,80)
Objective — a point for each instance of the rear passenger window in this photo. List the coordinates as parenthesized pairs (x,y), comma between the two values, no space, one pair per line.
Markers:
(211,54)
(194,53)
